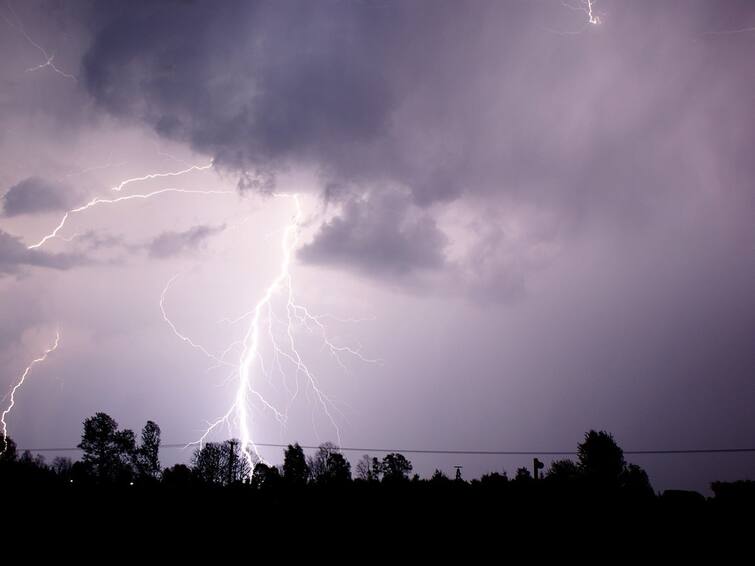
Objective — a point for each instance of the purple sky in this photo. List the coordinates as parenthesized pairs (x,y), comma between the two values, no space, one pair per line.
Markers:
(536,225)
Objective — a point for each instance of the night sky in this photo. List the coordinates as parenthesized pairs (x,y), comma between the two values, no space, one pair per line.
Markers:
(516,225)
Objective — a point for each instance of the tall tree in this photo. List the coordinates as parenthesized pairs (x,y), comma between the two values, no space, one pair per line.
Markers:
(147,459)
(364,468)
(396,467)
(338,469)
(295,469)
(318,464)
(207,463)
(328,465)
(235,463)
(635,480)
(221,463)
(108,452)
(600,459)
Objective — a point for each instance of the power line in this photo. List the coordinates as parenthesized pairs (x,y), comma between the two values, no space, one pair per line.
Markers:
(455,452)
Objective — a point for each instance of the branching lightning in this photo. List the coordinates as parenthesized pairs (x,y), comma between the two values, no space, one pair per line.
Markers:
(262,323)
(18,385)
(178,334)
(49,59)
(272,326)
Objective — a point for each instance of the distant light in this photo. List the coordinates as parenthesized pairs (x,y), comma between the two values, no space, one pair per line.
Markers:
(70,481)
(130,483)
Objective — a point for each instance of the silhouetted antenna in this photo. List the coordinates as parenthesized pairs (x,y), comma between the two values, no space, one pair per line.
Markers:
(458,472)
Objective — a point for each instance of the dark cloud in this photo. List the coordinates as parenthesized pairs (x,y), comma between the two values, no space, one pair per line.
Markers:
(380,235)
(14,255)
(443,99)
(170,244)
(34,195)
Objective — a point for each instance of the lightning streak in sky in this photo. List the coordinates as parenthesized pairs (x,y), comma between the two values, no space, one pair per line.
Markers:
(169,322)
(49,58)
(593,18)
(122,184)
(270,326)
(97,200)
(18,385)
(261,331)
(588,7)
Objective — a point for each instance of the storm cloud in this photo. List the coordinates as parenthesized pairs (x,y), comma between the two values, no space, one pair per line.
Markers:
(447,100)
(36,195)
(169,244)
(378,236)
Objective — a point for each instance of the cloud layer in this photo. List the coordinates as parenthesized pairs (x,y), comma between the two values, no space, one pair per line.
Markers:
(169,244)
(442,101)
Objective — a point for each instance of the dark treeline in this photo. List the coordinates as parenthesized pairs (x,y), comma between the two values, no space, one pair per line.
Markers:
(115,461)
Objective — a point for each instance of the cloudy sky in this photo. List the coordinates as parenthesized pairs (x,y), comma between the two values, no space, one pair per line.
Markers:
(514,225)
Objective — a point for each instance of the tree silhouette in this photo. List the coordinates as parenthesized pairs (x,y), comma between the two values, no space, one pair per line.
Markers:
(108,452)
(234,462)
(523,475)
(179,475)
(265,477)
(363,468)
(601,460)
(439,478)
(377,469)
(207,463)
(395,467)
(295,470)
(10,453)
(635,480)
(338,469)
(318,463)
(147,459)
(328,466)
(494,479)
(220,463)
(563,471)
(63,468)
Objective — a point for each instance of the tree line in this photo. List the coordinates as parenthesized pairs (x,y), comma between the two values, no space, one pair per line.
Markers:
(114,457)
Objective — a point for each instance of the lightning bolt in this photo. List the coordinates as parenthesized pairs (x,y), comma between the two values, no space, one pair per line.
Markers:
(260,331)
(588,7)
(593,18)
(122,184)
(181,336)
(49,58)
(95,202)
(18,385)
(139,196)
(270,325)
